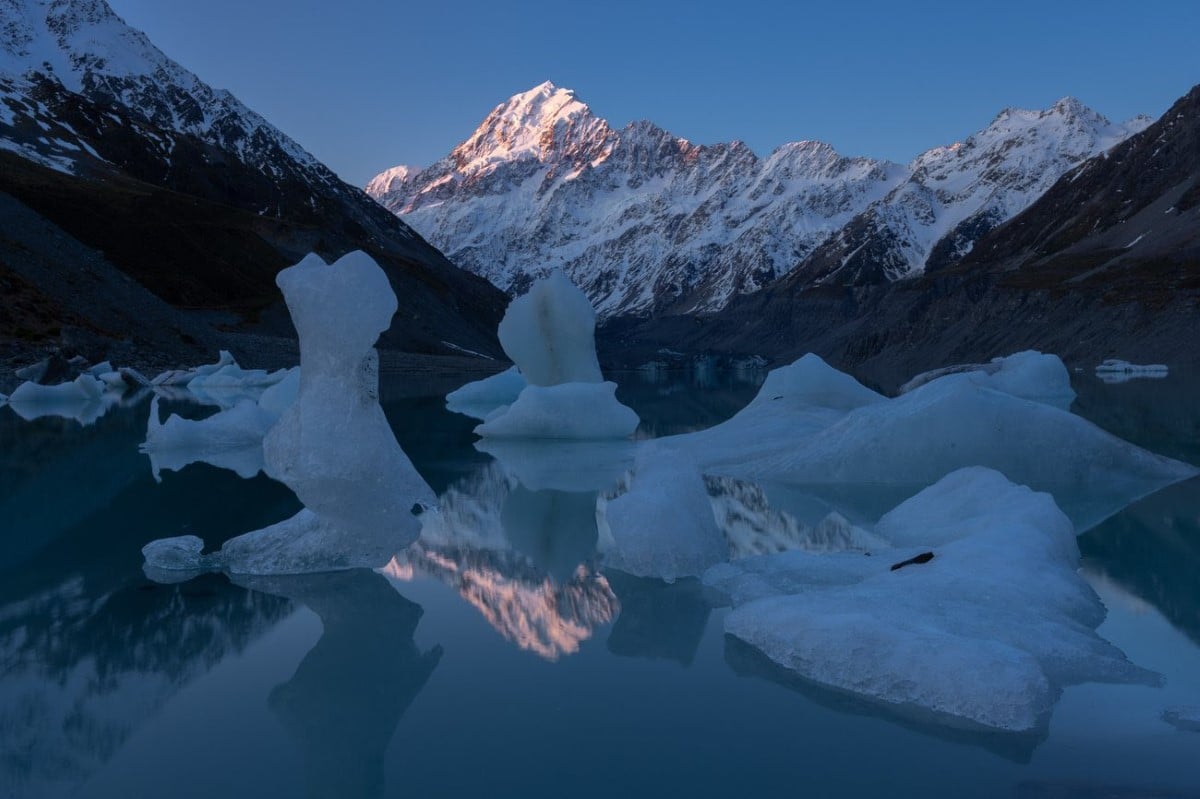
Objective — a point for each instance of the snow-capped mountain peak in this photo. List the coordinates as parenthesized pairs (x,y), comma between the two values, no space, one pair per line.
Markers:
(541,124)
(648,222)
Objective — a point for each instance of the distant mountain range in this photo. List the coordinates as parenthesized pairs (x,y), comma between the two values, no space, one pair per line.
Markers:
(1105,263)
(650,224)
(121,164)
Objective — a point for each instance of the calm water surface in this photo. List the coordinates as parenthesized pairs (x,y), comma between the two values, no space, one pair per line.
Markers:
(465,669)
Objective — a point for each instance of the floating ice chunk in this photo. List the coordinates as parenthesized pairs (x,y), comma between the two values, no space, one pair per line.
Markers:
(986,632)
(663,526)
(333,445)
(230,439)
(84,399)
(566,411)
(550,333)
(84,388)
(181,377)
(1029,374)
(794,402)
(949,423)
(1125,367)
(234,376)
(480,398)
(809,382)
(1186,718)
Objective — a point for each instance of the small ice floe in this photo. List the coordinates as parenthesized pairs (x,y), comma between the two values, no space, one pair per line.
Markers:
(1115,370)
(84,399)
(975,613)
(1186,718)
(482,397)
(550,335)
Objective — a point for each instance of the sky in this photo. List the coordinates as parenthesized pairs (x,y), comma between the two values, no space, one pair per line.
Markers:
(368,84)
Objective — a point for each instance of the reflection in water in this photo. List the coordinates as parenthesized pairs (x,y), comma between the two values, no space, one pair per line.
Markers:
(519,600)
(83,672)
(556,530)
(343,704)
(1153,550)
(658,619)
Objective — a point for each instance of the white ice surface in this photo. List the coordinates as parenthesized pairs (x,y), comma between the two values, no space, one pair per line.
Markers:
(984,634)
(333,445)
(549,333)
(480,398)
(818,438)
(566,411)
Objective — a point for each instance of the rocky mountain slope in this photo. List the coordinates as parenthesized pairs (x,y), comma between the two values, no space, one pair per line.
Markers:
(649,223)
(186,190)
(1105,264)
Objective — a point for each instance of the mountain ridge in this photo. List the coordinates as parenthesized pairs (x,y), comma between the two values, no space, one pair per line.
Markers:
(649,223)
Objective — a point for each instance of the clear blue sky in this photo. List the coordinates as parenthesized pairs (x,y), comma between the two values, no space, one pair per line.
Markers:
(367,84)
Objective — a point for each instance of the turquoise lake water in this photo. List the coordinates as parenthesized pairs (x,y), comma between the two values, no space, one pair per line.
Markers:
(468,671)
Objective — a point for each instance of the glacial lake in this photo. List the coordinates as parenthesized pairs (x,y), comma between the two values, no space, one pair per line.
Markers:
(463,670)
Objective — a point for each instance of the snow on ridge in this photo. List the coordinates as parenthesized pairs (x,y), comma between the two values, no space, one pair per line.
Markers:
(90,50)
(648,222)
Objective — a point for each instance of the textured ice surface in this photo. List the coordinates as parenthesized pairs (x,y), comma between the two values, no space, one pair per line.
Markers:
(819,438)
(1029,374)
(550,333)
(986,633)
(333,445)
(230,439)
(480,398)
(85,399)
(566,411)
(181,377)
(663,526)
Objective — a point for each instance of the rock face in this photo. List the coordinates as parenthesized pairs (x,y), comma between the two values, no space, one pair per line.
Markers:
(187,190)
(1106,263)
(649,223)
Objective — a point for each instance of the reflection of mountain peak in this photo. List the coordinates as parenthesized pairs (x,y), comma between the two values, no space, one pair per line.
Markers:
(519,600)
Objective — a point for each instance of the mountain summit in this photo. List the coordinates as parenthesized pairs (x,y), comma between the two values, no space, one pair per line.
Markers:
(650,223)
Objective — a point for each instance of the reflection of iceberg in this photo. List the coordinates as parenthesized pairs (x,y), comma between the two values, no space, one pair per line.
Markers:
(230,439)
(85,399)
(658,619)
(984,634)
(823,429)
(333,445)
(1115,366)
(663,526)
(550,335)
(348,694)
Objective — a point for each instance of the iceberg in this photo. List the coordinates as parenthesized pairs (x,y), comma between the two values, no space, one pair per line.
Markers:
(480,398)
(85,399)
(550,335)
(1118,371)
(977,617)
(820,430)
(230,439)
(1028,374)
(567,411)
(332,446)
